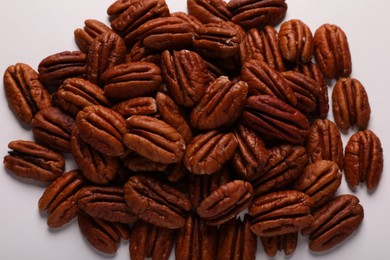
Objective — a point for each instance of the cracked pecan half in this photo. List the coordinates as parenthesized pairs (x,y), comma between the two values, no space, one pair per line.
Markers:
(85,36)
(287,242)
(334,222)
(25,94)
(221,105)
(154,139)
(156,202)
(28,159)
(274,119)
(280,213)
(350,104)
(331,51)
(363,160)
(209,11)
(208,152)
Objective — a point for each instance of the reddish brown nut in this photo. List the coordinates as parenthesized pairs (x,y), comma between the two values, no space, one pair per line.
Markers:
(226,202)
(136,106)
(350,104)
(24,92)
(296,41)
(131,79)
(334,222)
(60,198)
(196,240)
(154,139)
(284,166)
(31,160)
(280,213)
(208,152)
(209,11)
(102,128)
(254,13)
(287,243)
(363,160)
(186,76)
(76,93)
(236,240)
(221,104)
(331,51)
(274,119)
(141,53)
(150,241)
(324,142)
(85,36)
(106,51)
(191,19)
(53,128)
(137,163)
(156,202)
(264,80)
(320,180)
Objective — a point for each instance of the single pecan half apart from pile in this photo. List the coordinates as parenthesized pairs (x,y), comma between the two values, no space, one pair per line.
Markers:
(85,36)
(25,94)
(287,243)
(363,160)
(209,11)
(154,139)
(280,213)
(226,202)
(28,159)
(334,222)
(156,202)
(350,104)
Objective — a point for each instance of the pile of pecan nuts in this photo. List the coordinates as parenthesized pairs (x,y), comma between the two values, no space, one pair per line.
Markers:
(204,129)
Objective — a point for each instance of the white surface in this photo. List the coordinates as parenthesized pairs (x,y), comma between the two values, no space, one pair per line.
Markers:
(32,30)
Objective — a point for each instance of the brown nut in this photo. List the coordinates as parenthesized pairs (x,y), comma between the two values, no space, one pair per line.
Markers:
(25,94)
(136,106)
(334,222)
(154,139)
(221,104)
(196,240)
(274,119)
(137,163)
(320,180)
(186,76)
(150,241)
(209,11)
(236,240)
(28,159)
(131,79)
(85,36)
(226,202)
(331,51)
(208,152)
(363,160)
(296,41)
(156,202)
(287,242)
(102,128)
(324,142)
(53,128)
(350,104)
(253,13)
(280,213)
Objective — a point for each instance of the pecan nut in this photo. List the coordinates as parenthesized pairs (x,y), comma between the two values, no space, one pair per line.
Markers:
(155,202)
(221,104)
(280,213)
(137,163)
(85,36)
(324,142)
(253,13)
(28,159)
(136,106)
(154,139)
(150,241)
(209,11)
(320,180)
(24,92)
(274,119)
(350,104)
(208,152)
(53,128)
(102,128)
(363,160)
(331,51)
(226,202)
(334,222)
(186,76)
(287,242)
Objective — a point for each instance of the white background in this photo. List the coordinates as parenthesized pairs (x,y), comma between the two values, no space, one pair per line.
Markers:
(32,30)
